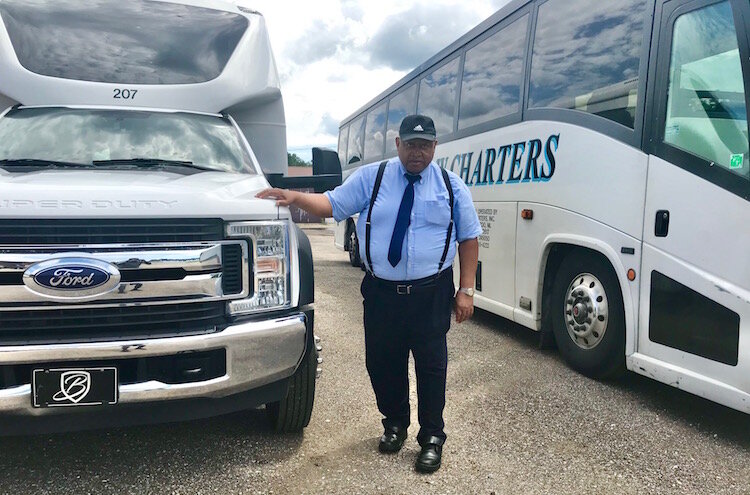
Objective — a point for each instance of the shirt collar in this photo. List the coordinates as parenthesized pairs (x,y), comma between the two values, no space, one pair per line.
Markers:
(421,174)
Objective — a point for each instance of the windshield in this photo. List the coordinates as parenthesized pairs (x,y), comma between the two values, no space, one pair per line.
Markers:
(86,136)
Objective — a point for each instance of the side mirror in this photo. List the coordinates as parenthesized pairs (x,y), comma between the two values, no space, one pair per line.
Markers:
(326,174)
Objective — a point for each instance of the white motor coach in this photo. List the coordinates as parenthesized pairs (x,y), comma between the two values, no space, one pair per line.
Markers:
(606,147)
(140,279)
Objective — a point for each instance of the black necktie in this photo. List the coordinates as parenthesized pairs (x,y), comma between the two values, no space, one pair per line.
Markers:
(402,221)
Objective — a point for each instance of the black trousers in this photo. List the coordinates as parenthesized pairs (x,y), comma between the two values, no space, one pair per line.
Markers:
(396,323)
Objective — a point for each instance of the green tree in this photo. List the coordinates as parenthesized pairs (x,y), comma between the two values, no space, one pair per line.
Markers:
(293,160)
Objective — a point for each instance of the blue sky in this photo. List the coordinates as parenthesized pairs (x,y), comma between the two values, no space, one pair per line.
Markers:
(335,55)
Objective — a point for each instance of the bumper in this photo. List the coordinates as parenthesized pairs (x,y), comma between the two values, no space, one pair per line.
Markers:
(260,355)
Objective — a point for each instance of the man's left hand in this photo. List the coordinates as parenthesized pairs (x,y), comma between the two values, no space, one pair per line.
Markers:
(463,305)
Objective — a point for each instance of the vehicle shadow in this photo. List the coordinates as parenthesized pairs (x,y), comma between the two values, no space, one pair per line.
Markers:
(153,454)
(670,403)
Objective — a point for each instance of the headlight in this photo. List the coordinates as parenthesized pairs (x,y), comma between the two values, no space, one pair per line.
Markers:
(269,246)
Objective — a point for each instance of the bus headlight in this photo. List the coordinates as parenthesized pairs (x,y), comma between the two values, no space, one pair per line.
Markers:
(269,248)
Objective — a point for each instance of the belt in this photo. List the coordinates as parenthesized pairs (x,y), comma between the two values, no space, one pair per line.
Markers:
(406,287)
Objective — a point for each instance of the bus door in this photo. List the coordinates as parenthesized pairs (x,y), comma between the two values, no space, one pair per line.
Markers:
(695,273)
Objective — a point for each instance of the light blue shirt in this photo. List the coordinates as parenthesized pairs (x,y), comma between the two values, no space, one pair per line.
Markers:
(430,216)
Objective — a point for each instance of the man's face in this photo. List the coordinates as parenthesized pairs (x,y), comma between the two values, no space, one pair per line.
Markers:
(415,154)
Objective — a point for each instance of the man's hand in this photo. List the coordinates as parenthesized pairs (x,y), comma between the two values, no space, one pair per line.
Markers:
(463,305)
(283,197)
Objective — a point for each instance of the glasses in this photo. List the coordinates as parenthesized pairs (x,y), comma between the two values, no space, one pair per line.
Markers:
(419,146)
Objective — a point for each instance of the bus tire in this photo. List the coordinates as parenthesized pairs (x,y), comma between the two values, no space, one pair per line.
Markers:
(292,413)
(588,319)
(354,258)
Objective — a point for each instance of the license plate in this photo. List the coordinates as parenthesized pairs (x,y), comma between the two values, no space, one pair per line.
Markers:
(74,387)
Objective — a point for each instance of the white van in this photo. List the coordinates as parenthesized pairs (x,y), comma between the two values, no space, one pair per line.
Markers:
(140,279)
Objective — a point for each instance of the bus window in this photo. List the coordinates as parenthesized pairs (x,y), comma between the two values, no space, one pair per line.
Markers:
(354,148)
(437,96)
(122,42)
(375,133)
(586,57)
(706,112)
(401,105)
(492,76)
(343,136)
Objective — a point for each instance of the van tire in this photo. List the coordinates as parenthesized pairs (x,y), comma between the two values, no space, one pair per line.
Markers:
(292,413)
(588,319)
(354,258)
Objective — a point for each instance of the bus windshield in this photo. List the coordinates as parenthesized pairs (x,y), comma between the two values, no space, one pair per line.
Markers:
(105,137)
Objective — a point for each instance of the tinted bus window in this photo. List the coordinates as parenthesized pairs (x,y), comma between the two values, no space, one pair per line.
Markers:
(437,96)
(706,111)
(343,136)
(122,42)
(401,105)
(586,57)
(492,76)
(375,133)
(354,146)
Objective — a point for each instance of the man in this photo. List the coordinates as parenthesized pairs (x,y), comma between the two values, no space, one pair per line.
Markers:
(414,224)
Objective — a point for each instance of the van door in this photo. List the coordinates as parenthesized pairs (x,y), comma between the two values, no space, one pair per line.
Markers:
(694,322)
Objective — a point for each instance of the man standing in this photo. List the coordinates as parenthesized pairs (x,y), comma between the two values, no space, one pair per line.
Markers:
(411,215)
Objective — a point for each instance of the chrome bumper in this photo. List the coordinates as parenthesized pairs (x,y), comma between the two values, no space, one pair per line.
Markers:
(258,353)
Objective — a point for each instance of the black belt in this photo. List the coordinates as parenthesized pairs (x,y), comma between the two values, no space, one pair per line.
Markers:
(406,287)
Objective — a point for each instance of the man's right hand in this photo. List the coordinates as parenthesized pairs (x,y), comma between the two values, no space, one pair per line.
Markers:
(283,197)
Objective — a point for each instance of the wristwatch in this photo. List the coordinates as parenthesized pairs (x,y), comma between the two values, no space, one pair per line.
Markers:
(469,291)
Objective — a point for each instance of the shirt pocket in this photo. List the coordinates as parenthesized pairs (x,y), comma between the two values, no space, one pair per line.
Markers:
(438,212)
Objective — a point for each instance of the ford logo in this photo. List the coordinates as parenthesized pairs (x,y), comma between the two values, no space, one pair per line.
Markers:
(72,278)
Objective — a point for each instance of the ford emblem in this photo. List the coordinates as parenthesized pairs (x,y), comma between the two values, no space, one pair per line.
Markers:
(72,278)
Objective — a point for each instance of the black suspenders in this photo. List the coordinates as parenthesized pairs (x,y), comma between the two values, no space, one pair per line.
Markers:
(376,189)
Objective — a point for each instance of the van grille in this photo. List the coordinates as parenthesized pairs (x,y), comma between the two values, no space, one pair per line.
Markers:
(108,323)
(45,232)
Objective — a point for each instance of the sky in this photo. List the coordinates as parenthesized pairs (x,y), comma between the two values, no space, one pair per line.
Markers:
(334,56)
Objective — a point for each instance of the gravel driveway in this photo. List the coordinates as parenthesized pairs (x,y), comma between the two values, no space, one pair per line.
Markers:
(518,421)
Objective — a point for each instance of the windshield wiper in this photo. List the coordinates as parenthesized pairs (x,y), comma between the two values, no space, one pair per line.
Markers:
(150,163)
(37,163)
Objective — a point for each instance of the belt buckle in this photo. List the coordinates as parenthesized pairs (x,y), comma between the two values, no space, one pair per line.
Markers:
(403,289)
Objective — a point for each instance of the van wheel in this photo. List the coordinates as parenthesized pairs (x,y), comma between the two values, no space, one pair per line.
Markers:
(588,319)
(354,258)
(293,412)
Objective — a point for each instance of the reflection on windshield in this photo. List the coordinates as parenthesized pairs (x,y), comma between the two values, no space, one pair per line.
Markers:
(401,105)
(85,136)
(491,85)
(374,132)
(585,46)
(437,96)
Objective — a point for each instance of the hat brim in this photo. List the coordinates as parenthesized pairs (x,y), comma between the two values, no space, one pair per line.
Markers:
(426,137)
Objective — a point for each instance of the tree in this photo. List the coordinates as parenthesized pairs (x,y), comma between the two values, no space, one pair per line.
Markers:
(293,160)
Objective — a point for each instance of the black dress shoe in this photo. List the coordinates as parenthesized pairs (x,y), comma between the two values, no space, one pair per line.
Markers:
(392,439)
(428,460)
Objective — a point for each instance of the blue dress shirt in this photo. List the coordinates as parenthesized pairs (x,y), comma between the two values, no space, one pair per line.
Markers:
(430,216)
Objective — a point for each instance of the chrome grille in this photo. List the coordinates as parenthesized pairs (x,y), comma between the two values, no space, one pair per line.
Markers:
(150,273)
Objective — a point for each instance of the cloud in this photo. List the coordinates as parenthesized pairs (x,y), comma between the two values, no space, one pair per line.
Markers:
(352,10)
(328,125)
(318,43)
(408,38)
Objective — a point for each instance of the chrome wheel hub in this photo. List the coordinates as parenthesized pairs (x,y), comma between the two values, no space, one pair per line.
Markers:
(586,311)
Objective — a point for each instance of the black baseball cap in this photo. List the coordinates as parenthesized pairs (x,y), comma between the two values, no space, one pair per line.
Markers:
(417,127)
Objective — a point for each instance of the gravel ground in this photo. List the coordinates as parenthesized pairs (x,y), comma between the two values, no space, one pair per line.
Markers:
(518,421)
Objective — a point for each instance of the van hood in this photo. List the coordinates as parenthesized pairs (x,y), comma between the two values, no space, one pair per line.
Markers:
(134,193)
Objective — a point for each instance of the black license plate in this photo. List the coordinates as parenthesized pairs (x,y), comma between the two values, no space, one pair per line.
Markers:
(74,387)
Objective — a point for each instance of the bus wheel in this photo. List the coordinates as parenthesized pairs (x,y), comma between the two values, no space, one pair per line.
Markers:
(293,412)
(354,247)
(588,318)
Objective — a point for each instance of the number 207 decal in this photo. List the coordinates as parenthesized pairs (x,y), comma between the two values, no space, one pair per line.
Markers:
(125,94)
